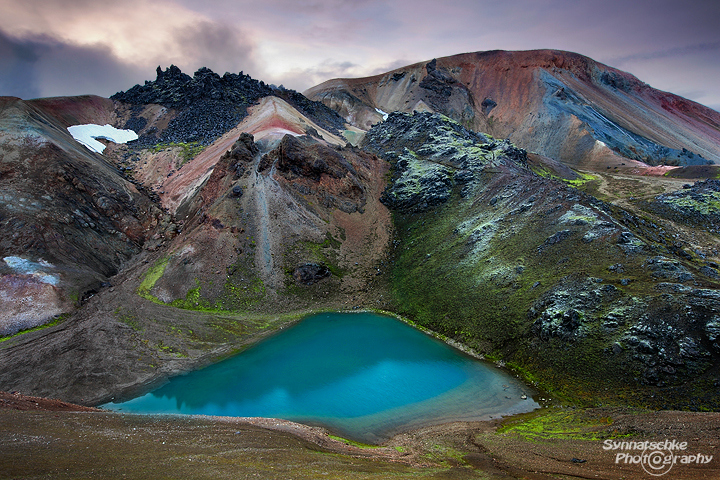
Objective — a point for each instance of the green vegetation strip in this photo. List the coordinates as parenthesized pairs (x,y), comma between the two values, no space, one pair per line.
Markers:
(151,277)
(58,320)
(353,443)
(561,424)
(188,151)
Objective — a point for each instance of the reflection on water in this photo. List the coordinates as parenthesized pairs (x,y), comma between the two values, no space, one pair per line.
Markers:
(361,375)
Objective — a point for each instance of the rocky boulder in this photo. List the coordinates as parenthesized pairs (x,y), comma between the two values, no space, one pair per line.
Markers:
(310,273)
(312,168)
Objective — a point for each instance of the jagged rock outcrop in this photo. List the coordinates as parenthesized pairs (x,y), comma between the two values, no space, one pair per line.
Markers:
(207,105)
(242,151)
(697,205)
(312,168)
(174,89)
(430,156)
(310,273)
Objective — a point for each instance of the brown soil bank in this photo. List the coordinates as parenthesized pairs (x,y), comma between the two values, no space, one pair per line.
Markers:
(553,443)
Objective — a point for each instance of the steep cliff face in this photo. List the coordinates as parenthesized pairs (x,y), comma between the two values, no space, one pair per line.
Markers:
(559,104)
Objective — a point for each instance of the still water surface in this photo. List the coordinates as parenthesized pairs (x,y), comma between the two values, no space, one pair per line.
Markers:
(361,375)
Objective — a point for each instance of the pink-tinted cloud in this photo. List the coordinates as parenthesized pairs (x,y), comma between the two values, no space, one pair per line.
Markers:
(98,45)
(300,42)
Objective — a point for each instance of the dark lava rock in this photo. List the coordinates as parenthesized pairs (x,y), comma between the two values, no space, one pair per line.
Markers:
(310,273)
(210,105)
(662,267)
(312,168)
(695,205)
(487,105)
(243,150)
(437,81)
(418,193)
(398,76)
(321,114)
(308,159)
(565,325)
(555,238)
(431,155)
(174,89)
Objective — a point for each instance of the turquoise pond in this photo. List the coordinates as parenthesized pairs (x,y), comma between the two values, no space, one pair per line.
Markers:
(361,375)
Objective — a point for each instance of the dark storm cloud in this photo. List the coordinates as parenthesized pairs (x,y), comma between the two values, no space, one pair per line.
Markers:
(217,46)
(64,47)
(42,66)
(17,67)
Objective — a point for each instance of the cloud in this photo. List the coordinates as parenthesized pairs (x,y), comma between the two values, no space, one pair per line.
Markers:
(219,47)
(41,66)
(64,47)
(700,48)
(395,64)
(300,43)
(303,78)
(17,68)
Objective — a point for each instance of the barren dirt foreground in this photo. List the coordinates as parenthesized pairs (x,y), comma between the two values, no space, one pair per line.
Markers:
(41,438)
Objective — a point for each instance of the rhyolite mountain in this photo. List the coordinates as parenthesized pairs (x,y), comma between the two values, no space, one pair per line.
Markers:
(558,104)
(243,206)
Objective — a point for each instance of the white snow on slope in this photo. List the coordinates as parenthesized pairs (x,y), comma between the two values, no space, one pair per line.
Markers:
(36,269)
(86,134)
(384,114)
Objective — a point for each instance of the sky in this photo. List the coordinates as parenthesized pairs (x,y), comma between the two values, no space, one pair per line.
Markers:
(74,47)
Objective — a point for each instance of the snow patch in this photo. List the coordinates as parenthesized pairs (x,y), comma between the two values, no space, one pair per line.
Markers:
(86,134)
(36,269)
(384,114)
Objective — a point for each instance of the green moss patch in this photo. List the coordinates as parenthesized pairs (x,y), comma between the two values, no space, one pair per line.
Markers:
(152,275)
(566,424)
(186,150)
(61,318)
(706,203)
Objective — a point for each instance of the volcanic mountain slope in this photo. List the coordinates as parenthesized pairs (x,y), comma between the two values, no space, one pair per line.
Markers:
(583,294)
(558,104)
(70,220)
(263,224)
(203,107)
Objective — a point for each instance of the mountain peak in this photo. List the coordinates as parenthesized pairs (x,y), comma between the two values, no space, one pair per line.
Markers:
(559,104)
(174,89)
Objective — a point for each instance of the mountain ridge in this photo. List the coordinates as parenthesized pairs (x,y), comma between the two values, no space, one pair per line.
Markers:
(501,93)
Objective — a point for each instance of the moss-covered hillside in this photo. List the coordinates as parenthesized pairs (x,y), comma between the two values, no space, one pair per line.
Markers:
(593,303)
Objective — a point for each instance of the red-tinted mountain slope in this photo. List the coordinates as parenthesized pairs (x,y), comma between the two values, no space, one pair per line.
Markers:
(560,104)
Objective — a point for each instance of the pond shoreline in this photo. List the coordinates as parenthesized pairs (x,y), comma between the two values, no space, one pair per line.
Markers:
(223,445)
(364,375)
